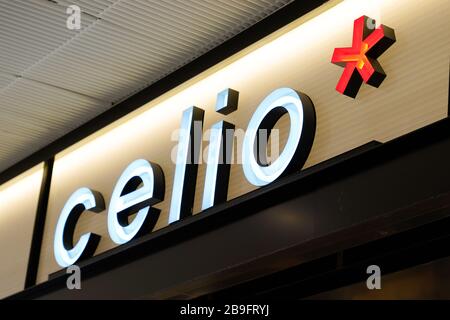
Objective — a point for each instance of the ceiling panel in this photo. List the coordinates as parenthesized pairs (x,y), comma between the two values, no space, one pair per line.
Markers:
(43,111)
(30,30)
(5,80)
(53,80)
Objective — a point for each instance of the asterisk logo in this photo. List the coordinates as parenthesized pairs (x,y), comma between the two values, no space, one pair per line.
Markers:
(360,60)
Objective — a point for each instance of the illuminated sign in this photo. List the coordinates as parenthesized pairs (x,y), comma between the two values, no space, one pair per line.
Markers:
(142,185)
(360,60)
(66,253)
(301,135)
(138,174)
(128,197)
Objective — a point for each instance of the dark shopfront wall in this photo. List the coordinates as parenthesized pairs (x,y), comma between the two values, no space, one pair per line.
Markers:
(385,204)
(412,245)
(426,281)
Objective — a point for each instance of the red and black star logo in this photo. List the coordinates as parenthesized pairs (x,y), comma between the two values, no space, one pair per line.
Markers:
(360,60)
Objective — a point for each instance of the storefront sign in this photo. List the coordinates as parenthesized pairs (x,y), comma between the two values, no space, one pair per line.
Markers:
(209,140)
(141,185)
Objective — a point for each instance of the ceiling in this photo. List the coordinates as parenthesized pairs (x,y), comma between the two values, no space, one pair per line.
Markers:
(52,79)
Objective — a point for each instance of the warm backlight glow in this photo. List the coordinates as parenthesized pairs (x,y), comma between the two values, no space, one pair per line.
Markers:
(18,205)
(16,191)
